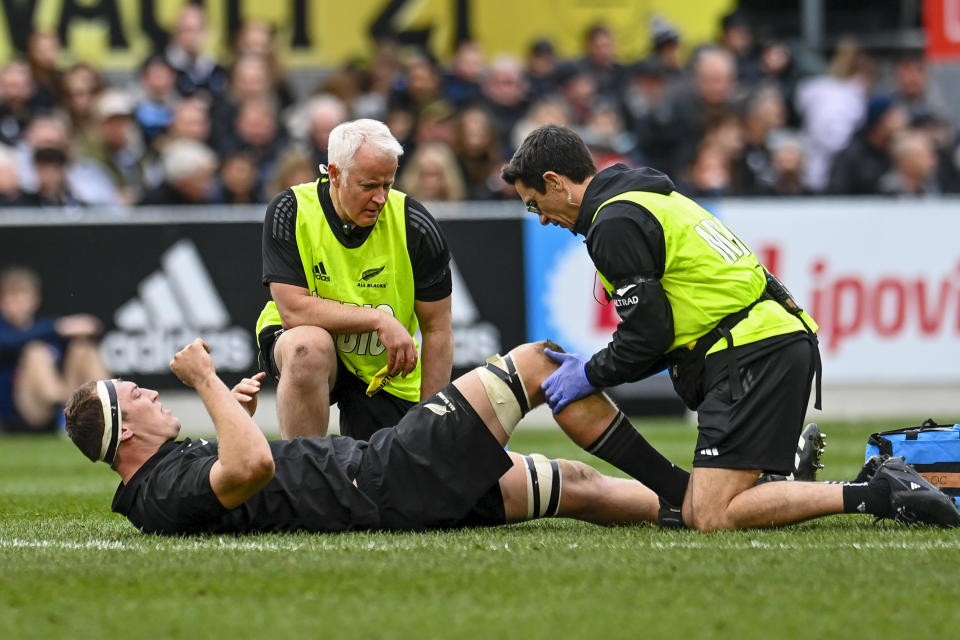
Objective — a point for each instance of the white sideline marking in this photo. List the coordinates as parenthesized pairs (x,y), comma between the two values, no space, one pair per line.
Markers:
(321,544)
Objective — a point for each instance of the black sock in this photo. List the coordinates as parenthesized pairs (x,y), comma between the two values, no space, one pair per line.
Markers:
(866,497)
(622,446)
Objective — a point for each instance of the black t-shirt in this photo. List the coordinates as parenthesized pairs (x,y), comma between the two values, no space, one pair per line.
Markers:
(426,246)
(312,490)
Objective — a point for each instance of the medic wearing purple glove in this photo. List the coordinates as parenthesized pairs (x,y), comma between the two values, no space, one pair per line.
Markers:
(568,383)
(691,297)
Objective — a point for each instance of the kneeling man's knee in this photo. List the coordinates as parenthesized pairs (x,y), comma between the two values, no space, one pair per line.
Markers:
(305,353)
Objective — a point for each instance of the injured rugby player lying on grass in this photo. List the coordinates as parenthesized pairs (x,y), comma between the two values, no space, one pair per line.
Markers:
(442,466)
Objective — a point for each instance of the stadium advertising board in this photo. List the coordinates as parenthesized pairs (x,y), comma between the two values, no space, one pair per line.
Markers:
(155,287)
(488,295)
(941,25)
(880,276)
(118,34)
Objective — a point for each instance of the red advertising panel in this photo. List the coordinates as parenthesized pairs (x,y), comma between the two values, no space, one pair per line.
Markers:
(941,22)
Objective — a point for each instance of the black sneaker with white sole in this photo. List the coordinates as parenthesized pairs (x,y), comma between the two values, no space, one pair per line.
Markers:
(913,498)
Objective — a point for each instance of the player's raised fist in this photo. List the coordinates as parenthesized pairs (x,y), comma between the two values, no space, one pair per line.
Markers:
(193,363)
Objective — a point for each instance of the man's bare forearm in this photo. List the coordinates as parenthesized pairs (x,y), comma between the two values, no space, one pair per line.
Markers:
(242,445)
(436,361)
(330,315)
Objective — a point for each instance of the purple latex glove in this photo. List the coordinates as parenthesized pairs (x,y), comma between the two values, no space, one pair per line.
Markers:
(568,383)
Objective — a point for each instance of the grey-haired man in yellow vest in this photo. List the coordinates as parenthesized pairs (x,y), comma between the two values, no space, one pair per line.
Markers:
(354,268)
(692,297)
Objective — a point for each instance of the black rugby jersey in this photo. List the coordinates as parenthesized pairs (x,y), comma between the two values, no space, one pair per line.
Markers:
(312,490)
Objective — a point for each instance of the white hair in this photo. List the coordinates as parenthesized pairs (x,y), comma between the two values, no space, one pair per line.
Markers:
(300,119)
(183,158)
(329,104)
(346,139)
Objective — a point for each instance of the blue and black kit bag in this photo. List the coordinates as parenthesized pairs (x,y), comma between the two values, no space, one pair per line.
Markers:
(932,449)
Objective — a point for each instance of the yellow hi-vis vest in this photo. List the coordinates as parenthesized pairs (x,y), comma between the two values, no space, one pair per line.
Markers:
(377,274)
(709,274)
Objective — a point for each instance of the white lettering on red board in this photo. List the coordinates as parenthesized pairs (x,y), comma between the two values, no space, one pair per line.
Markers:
(849,304)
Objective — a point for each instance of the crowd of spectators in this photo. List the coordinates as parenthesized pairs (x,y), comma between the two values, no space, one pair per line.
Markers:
(746,115)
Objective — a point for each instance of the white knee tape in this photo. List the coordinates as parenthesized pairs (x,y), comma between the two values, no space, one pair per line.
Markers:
(507,366)
(544,484)
(505,405)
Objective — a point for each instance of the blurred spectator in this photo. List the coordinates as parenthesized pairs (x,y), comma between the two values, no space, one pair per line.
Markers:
(258,132)
(477,148)
(188,168)
(608,140)
(401,122)
(830,107)
(913,90)
(435,124)
(86,179)
(53,190)
(294,167)
(647,112)
(945,146)
(708,99)
(461,85)
(157,98)
(736,36)
(753,168)
(858,168)
(786,161)
(196,71)
(726,134)
(505,95)
(432,175)
(43,57)
(665,54)
(600,62)
(540,73)
(549,110)
(239,180)
(710,175)
(10,193)
(419,87)
(249,80)
(259,39)
(42,359)
(377,82)
(778,67)
(18,101)
(914,170)
(323,113)
(45,131)
(82,85)
(578,89)
(119,149)
(344,84)
(191,121)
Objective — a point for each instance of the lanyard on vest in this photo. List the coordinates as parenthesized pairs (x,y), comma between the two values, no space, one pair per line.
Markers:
(690,363)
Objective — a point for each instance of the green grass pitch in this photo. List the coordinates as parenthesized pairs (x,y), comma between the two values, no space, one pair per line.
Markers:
(71,569)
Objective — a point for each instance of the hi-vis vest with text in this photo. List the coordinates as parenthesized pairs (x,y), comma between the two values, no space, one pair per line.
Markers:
(709,274)
(377,274)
